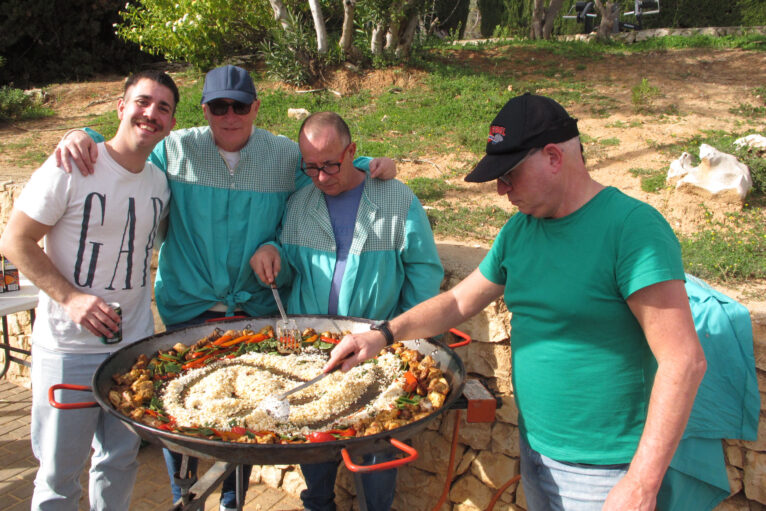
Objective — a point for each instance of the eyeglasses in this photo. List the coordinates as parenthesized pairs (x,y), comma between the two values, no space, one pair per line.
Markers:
(330,167)
(221,107)
(505,178)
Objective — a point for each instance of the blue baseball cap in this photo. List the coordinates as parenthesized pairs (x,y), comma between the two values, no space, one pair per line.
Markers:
(229,82)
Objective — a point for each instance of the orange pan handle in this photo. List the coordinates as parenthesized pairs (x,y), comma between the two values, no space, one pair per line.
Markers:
(69,406)
(412,456)
(466,338)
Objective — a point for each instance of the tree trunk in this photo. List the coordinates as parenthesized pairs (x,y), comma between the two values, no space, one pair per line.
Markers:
(405,41)
(347,36)
(550,17)
(536,27)
(319,26)
(473,22)
(378,38)
(280,13)
(607,19)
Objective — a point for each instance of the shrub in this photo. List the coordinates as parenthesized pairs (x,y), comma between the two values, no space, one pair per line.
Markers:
(15,104)
(200,32)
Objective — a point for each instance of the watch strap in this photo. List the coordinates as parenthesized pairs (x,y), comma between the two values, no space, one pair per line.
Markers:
(384,328)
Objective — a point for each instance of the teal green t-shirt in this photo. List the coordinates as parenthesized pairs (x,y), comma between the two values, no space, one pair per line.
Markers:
(582,369)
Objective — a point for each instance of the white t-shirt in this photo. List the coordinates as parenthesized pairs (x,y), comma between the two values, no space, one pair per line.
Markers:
(103,233)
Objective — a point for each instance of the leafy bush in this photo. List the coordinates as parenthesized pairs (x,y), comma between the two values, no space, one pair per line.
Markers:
(291,55)
(200,32)
(15,104)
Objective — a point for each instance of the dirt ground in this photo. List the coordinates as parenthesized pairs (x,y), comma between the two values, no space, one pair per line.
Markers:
(698,87)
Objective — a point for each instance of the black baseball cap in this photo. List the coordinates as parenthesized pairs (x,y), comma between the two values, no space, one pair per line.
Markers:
(526,122)
(229,82)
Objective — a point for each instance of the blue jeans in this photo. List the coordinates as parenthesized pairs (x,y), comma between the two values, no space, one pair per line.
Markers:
(379,487)
(173,460)
(551,485)
(62,439)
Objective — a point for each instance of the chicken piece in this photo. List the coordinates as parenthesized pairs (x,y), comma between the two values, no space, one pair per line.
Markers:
(180,347)
(114,398)
(137,413)
(439,385)
(309,332)
(428,361)
(141,362)
(268,438)
(373,428)
(144,391)
(393,424)
(436,399)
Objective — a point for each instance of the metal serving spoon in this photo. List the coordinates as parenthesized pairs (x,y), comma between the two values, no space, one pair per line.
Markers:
(278,406)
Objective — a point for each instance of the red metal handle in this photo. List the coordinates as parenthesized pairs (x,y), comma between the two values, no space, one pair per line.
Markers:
(225,318)
(458,333)
(69,406)
(413,455)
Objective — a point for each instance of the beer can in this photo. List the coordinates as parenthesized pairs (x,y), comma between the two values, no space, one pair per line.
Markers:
(10,276)
(117,336)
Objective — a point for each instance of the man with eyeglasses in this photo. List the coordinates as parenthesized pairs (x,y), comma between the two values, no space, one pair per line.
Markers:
(351,246)
(606,360)
(229,183)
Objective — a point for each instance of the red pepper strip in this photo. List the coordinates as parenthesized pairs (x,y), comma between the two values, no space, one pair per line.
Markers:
(238,340)
(320,436)
(222,340)
(197,362)
(258,338)
(330,340)
(342,432)
(151,412)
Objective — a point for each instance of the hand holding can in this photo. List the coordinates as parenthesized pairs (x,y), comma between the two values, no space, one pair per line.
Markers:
(117,336)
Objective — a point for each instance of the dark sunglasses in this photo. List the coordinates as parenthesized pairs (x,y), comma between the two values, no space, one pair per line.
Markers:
(221,106)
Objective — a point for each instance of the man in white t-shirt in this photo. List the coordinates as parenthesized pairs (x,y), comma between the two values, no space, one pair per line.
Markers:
(99,235)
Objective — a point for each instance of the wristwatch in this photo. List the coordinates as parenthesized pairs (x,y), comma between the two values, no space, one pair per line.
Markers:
(384,328)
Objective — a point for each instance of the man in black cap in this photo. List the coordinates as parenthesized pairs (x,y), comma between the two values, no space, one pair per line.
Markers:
(229,183)
(606,360)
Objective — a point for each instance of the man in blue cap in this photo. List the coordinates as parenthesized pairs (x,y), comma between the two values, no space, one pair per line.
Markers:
(229,183)
(606,360)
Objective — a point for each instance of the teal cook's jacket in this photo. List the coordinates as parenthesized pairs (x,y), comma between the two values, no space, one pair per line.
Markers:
(392,264)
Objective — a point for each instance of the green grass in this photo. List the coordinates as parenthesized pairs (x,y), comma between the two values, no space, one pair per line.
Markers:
(726,252)
(652,180)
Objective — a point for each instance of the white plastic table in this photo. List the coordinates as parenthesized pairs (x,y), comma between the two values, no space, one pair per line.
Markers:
(25,299)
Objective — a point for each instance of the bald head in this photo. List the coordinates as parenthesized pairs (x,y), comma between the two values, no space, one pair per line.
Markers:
(319,121)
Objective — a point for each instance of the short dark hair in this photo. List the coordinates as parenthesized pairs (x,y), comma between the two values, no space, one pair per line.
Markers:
(160,77)
(328,119)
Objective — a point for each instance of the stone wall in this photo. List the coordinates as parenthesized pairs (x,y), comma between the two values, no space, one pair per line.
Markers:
(487,454)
